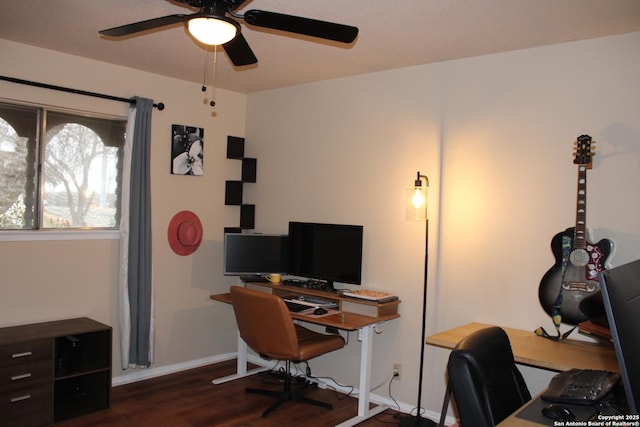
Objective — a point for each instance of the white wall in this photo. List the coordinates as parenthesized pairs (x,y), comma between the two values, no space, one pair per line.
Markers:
(46,280)
(494,134)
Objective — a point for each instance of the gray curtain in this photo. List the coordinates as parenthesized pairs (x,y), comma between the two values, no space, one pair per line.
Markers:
(139,271)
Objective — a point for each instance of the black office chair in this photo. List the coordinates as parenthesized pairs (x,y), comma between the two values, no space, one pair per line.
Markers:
(484,379)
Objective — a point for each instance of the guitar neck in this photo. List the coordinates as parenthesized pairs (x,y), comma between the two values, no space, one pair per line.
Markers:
(580,238)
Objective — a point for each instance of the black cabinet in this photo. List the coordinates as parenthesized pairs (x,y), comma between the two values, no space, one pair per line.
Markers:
(54,371)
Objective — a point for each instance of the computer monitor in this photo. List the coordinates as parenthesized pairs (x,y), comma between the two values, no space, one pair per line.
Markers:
(620,288)
(326,252)
(255,254)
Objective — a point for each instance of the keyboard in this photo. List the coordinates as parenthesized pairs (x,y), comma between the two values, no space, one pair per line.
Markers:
(580,386)
(295,307)
(310,301)
(318,301)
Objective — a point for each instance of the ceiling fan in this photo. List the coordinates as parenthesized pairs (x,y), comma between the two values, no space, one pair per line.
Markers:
(215,24)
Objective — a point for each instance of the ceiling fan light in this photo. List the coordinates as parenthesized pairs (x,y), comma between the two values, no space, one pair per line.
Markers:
(211,30)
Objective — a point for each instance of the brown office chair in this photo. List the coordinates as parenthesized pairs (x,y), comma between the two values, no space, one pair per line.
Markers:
(265,324)
(484,379)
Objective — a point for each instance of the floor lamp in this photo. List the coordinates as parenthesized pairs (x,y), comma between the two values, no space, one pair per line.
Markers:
(417,211)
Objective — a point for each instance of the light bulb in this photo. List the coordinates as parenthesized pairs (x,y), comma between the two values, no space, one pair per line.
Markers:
(416,203)
(418,199)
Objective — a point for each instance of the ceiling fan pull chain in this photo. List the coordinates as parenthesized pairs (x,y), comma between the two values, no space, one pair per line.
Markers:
(215,66)
(204,74)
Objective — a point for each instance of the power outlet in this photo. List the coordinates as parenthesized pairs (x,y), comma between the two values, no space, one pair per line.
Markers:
(397,371)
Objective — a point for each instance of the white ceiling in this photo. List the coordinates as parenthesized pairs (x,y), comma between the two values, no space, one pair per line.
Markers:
(392,34)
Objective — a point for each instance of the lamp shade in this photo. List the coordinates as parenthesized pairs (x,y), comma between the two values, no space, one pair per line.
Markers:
(416,200)
(212,30)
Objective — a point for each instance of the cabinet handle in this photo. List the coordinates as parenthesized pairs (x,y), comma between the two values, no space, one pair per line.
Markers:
(20,398)
(21,377)
(24,354)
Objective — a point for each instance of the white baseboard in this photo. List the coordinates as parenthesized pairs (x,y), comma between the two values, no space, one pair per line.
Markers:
(135,375)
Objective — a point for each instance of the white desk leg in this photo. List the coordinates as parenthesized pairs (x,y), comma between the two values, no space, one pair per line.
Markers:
(241,366)
(364,412)
(242,356)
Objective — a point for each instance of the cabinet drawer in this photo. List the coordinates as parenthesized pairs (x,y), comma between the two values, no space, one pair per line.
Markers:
(26,374)
(32,407)
(24,352)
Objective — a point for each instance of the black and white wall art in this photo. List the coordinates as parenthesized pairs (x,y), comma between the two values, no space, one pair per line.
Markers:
(187,148)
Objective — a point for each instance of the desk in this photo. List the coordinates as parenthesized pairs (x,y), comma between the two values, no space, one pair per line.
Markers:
(343,320)
(530,349)
(530,414)
(513,421)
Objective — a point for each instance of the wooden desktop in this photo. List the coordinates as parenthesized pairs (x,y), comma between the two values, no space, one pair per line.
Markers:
(352,313)
(530,349)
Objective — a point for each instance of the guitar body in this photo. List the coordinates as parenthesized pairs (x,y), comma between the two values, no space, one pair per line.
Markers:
(577,280)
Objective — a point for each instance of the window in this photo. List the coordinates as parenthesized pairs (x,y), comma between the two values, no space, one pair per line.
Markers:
(59,170)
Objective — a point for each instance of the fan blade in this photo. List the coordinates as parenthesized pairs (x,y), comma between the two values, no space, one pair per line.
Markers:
(239,51)
(136,27)
(296,24)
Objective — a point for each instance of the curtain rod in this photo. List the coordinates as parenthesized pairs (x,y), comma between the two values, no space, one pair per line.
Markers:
(159,105)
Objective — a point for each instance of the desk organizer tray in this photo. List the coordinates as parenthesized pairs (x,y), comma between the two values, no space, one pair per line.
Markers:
(371,295)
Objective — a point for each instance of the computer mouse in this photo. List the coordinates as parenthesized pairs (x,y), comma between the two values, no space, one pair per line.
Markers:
(319,311)
(558,412)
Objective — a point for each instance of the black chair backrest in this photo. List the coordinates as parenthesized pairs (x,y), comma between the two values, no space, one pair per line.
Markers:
(484,379)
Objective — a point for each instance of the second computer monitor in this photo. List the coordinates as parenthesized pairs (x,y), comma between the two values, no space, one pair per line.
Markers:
(326,252)
(621,295)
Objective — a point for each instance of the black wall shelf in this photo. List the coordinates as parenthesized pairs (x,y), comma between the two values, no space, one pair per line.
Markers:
(233,195)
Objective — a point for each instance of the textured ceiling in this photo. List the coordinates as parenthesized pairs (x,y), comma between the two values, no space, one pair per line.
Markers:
(392,34)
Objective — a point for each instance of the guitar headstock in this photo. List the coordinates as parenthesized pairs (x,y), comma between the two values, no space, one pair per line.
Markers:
(584,150)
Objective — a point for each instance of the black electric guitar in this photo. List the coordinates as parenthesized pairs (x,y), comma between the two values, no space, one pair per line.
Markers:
(574,276)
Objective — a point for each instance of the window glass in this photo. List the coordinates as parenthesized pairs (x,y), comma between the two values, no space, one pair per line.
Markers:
(78,183)
(18,180)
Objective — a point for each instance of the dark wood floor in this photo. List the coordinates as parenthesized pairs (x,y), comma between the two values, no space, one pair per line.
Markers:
(189,399)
